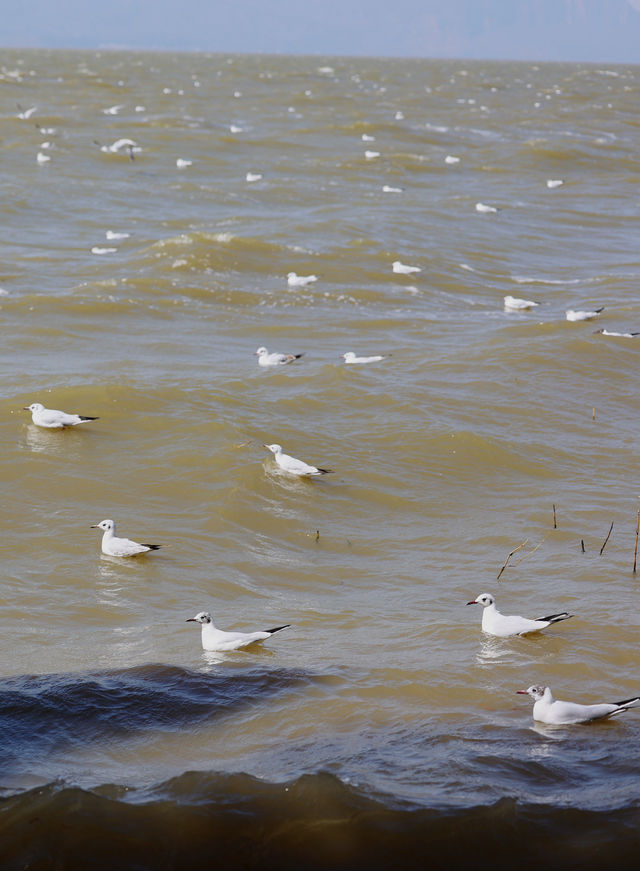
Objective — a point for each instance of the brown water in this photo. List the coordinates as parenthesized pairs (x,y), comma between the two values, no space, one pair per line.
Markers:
(384,710)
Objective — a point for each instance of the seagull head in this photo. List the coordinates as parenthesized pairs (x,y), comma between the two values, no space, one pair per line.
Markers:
(202,617)
(484,599)
(35,406)
(261,351)
(104,525)
(536,692)
(350,355)
(275,449)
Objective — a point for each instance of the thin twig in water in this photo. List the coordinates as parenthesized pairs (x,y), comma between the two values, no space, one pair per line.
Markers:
(533,550)
(606,539)
(509,557)
(555,525)
(317,535)
(635,553)
(582,544)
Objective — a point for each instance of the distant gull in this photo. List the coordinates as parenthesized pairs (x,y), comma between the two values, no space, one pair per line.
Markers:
(52,418)
(367,138)
(129,145)
(113,546)
(253,176)
(513,303)
(275,359)
(113,110)
(98,249)
(495,623)
(388,189)
(25,114)
(292,465)
(573,315)
(554,182)
(182,163)
(451,160)
(218,639)
(42,158)
(113,235)
(403,269)
(233,128)
(399,116)
(371,155)
(350,357)
(613,333)
(556,713)
(294,280)
(482,207)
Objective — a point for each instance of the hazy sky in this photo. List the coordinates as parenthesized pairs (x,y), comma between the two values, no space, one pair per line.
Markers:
(582,30)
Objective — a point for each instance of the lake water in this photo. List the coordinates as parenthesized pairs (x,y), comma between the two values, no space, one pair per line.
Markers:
(382,727)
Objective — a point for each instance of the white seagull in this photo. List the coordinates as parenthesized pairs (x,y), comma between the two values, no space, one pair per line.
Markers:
(52,418)
(129,145)
(614,333)
(218,639)
(114,546)
(556,713)
(483,207)
(275,359)
(293,466)
(350,357)
(513,303)
(294,280)
(495,623)
(578,315)
(403,269)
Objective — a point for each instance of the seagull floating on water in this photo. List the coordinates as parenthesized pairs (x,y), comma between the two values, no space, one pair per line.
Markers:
(350,357)
(495,623)
(183,163)
(514,304)
(483,207)
(451,159)
(294,280)
(253,176)
(218,639)
(52,418)
(114,546)
(42,158)
(403,269)
(554,182)
(556,713)
(614,333)
(129,145)
(275,359)
(577,315)
(292,465)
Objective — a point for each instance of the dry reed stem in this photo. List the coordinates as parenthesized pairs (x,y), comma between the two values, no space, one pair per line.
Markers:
(509,557)
(606,539)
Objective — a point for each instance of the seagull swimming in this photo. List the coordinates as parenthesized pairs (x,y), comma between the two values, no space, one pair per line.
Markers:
(495,623)
(556,713)
(52,418)
(482,207)
(294,280)
(128,145)
(295,467)
(577,315)
(403,269)
(275,359)
(114,546)
(513,303)
(554,182)
(218,639)
(614,333)
(350,357)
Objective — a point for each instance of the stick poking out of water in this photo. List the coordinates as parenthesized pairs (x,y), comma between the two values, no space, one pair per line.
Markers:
(555,525)
(606,539)
(509,557)
(635,553)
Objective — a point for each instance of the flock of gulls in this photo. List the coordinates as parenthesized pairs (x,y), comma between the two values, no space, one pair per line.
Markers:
(515,304)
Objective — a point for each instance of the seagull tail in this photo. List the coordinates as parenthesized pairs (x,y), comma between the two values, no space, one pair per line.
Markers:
(82,417)
(325,471)
(629,703)
(297,356)
(153,546)
(556,618)
(277,629)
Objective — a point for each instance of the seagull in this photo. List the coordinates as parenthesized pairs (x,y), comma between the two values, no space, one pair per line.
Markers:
(275,359)
(482,207)
(350,357)
(495,623)
(403,269)
(294,280)
(25,114)
(183,163)
(577,315)
(390,189)
(253,176)
(42,158)
(218,639)
(512,303)
(52,418)
(556,713)
(451,159)
(120,145)
(371,155)
(295,467)
(554,182)
(113,546)
(614,333)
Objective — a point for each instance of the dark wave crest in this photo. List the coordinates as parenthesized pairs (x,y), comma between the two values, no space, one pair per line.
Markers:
(204,821)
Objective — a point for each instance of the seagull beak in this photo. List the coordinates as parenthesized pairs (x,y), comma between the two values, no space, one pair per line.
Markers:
(474,602)
(265,446)
(522,693)
(26,408)
(191,620)
(94,526)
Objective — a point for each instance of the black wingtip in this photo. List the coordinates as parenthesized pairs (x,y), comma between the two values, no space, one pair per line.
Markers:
(556,618)
(277,629)
(325,471)
(82,417)
(297,356)
(153,546)
(632,701)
